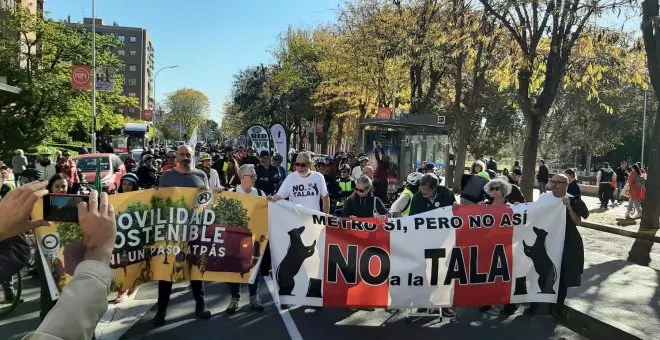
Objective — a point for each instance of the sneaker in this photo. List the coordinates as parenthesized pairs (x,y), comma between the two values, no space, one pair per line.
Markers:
(159,319)
(509,309)
(533,307)
(201,312)
(448,313)
(233,306)
(256,305)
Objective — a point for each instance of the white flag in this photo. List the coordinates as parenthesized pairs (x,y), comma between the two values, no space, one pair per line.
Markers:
(193,139)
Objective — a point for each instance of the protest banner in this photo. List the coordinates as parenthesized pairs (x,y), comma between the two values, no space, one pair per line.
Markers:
(462,256)
(173,234)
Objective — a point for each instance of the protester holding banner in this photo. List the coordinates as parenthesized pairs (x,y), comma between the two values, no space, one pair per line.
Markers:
(572,263)
(248,177)
(363,202)
(401,207)
(184,175)
(129,183)
(304,186)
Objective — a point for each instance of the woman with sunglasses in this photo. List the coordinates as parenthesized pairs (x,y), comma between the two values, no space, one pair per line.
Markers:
(498,189)
(363,203)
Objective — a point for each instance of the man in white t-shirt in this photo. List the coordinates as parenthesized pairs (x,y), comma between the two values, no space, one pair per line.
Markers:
(247,175)
(359,169)
(305,187)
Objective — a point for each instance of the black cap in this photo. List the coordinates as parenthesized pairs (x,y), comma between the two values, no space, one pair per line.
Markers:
(264,153)
(517,172)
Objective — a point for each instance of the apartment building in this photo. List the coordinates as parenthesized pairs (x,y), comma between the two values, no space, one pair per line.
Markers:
(137,53)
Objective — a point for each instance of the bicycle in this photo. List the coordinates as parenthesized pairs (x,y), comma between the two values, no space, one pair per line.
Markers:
(10,294)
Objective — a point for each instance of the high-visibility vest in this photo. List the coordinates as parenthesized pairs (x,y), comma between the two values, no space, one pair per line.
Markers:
(410,194)
(346,186)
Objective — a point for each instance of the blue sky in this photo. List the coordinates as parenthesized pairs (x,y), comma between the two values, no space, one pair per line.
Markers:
(210,40)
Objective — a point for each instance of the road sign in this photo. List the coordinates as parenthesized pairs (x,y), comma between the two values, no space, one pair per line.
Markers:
(81,78)
(105,79)
(148,115)
(319,126)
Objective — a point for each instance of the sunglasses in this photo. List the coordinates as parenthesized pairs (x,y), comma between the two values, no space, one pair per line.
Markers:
(495,189)
(362,190)
(302,165)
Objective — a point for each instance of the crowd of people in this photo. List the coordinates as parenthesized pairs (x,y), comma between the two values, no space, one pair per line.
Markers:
(344,185)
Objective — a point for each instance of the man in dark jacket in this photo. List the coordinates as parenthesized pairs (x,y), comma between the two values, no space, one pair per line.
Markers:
(515,195)
(251,157)
(491,165)
(604,179)
(621,179)
(431,195)
(268,176)
(542,176)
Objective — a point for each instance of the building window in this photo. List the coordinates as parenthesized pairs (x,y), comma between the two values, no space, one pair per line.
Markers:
(131,94)
(133,53)
(133,39)
(122,38)
(132,81)
(132,68)
(121,53)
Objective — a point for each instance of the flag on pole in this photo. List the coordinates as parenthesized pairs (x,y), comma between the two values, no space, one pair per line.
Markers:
(193,139)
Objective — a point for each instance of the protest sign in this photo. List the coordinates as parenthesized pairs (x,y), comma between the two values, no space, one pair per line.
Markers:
(172,234)
(462,256)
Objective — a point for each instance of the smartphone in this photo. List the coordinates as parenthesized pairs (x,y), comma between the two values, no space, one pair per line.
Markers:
(62,208)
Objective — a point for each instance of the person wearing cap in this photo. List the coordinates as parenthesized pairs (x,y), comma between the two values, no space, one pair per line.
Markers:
(67,166)
(346,188)
(358,170)
(211,174)
(277,162)
(170,161)
(46,166)
(321,166)
(515,195)
(268,176)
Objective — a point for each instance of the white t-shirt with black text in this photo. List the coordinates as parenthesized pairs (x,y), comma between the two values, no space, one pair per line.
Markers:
(254,191)
(306,191)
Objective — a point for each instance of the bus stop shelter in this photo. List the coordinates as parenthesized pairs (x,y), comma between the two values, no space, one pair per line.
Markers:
(410,140)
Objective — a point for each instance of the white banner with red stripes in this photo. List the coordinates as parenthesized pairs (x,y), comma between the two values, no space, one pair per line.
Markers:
(461,256)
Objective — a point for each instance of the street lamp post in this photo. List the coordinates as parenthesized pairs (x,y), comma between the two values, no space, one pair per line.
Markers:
(155,78)
(644,128)
(93,76)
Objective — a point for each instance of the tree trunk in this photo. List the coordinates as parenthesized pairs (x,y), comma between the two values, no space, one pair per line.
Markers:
(651,212)
(340,134)
(461,154)
(587,168)
(530,151)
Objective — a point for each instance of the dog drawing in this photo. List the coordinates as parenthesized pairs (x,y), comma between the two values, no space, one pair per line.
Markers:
(293,260)
(542,262)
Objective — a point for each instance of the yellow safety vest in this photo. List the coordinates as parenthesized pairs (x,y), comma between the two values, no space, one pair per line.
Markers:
(410,197)
(346,186)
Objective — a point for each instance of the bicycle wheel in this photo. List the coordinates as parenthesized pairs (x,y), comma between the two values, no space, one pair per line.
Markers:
(10,294)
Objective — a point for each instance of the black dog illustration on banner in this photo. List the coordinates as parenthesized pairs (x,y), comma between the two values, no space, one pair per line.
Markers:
(293,260)
(542,262)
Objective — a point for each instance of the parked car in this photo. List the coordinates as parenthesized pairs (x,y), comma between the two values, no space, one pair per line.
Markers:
(112,169)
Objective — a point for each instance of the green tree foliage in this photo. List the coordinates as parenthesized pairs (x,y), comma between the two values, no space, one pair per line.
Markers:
(188,108)
(230,212)
(39,62)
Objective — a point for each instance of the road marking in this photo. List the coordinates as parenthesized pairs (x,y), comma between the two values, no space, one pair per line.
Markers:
(286,316)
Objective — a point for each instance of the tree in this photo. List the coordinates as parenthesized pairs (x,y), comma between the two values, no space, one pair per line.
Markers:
(37,57)
(210,131)
(188,108)
(651,36)
(545,33)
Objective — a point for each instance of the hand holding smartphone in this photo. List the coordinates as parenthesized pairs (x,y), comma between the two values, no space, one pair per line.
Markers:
(62,208)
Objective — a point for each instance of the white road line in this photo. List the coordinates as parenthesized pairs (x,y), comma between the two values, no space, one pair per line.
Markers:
(286,316)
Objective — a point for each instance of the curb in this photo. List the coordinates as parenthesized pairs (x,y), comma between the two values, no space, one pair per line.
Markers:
(649,236)
(603,326)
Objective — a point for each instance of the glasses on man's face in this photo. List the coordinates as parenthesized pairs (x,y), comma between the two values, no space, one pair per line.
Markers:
(362,190)
(552,181)
(302,165)
(495,189)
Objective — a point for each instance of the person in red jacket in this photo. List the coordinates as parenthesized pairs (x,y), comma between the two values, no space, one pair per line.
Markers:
(382,172)
(67,166)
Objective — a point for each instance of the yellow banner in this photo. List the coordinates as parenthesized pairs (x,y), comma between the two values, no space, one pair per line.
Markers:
(172,234)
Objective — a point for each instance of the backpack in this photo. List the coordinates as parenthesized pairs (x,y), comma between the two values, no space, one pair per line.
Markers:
(641,181)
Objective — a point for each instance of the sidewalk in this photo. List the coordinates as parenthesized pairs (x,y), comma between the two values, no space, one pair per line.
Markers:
(617,297)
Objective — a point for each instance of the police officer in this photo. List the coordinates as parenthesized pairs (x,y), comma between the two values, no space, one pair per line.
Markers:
(268,176)
(346,186)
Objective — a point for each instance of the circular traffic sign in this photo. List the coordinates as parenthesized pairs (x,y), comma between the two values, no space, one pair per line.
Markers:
(50,242)
(81,75)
